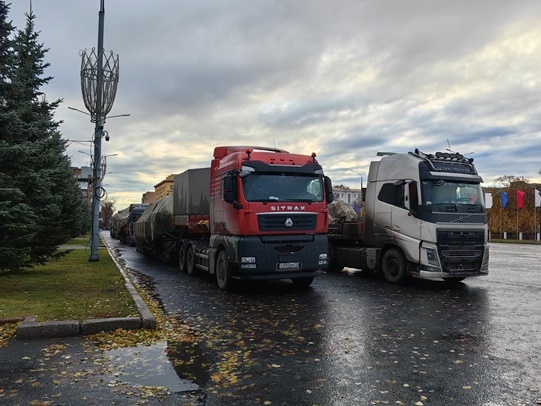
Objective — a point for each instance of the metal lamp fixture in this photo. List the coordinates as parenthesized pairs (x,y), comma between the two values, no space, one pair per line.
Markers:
(99,79)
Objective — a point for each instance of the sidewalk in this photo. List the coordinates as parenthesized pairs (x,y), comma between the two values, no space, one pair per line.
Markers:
(30,328)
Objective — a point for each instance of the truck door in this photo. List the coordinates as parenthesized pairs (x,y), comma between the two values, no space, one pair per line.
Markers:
(406,227)
(382,208)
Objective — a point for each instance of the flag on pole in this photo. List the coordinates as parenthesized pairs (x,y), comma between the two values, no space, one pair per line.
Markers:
(537,198)
(488,200)
(504,200)
(520,199)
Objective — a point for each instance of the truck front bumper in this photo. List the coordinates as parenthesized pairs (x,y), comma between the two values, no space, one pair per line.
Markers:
(429,274)
(281,257)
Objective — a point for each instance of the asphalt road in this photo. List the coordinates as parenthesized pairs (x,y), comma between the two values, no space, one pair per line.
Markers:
(347,340)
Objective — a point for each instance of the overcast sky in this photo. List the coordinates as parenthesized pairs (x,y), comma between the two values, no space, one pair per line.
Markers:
(342,78)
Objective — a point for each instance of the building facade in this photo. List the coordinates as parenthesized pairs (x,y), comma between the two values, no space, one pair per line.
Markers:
(148,197)
(164,188)
(353,197)
(84,179)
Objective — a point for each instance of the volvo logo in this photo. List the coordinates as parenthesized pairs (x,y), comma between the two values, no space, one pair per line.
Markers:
(460,218)
(288,222)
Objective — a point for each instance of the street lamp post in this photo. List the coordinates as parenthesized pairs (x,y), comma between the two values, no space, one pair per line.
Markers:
(361,175)
(99,78)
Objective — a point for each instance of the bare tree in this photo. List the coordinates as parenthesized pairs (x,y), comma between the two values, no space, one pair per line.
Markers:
(107,210)
(506,180)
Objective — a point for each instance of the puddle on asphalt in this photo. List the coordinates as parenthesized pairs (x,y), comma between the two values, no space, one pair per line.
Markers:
(161,364)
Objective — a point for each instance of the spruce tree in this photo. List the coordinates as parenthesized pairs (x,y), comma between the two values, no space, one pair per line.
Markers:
(17,220)
(33,162)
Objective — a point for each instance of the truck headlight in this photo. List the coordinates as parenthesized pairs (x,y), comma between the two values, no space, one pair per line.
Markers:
(431,256)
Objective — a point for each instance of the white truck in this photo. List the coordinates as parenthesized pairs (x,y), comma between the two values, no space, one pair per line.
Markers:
(424,217)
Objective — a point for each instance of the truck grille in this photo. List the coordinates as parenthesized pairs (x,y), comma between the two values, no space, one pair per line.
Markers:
(287,221)
(461,251)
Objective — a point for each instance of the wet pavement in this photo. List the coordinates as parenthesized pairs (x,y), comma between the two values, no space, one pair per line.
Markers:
(347,340)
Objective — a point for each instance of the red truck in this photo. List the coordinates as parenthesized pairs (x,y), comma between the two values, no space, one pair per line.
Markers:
(257,213)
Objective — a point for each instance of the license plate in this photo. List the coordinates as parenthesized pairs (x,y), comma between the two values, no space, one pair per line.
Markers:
(287,266)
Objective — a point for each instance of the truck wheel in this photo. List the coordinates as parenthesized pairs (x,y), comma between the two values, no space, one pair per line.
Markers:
(394,266)
(302,282)
(190,260)
(182,257)
(223,271)
(333,265)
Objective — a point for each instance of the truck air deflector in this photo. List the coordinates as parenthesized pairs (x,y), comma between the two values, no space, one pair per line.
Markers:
(456,171)
(311,168)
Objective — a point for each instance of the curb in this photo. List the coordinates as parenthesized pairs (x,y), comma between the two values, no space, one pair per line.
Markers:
(30,328)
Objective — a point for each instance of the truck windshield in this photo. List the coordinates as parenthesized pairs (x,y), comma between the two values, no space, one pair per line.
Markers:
(444,192)
(284,187)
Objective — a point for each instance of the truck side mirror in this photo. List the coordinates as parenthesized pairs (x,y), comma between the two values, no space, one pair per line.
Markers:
(329,197)
(229,186)
(413,196)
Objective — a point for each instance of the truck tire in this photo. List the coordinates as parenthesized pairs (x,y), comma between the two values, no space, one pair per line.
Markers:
(394,266)
(333,265)
(190,260)
(302,283)
(182,257)
(223,271)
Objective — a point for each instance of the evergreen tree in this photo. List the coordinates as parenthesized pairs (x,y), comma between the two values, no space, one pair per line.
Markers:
(35,171)
(17,227)
(17,220)
(6,48)
(6,68)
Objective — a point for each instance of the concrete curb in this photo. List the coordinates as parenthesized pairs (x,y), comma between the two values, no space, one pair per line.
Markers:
(30,328)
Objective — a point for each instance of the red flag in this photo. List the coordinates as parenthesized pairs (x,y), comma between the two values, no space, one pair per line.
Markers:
(520,199)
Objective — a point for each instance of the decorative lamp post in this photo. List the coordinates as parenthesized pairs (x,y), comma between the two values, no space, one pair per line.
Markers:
(99,79)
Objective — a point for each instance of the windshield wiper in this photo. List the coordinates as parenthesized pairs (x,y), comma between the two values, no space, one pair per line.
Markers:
(274,199)
(299,200)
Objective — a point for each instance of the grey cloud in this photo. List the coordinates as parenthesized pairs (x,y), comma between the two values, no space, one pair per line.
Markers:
(344,78)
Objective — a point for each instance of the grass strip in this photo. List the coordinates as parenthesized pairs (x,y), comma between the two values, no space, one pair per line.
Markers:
(71,288)
(81,241)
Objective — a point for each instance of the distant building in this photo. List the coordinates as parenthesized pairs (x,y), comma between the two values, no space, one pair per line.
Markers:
(148,197)
(351,196)
(164,188)
(84,178)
